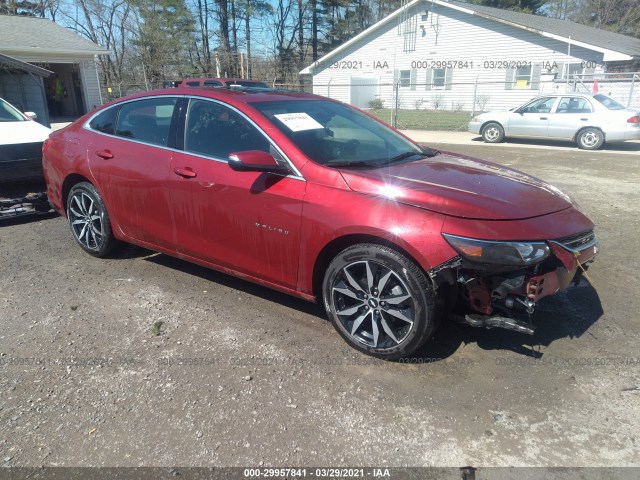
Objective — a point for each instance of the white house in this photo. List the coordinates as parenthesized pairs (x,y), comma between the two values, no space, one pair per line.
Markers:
(72,87)
(454,55)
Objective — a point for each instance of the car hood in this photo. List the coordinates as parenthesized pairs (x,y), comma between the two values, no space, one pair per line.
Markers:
(460,186)
(12,133)
(495,115)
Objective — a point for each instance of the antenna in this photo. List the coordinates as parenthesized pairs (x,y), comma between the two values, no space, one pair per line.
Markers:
(407,27)
(435,25)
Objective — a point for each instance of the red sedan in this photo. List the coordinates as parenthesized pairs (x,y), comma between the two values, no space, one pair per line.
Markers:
(312,197)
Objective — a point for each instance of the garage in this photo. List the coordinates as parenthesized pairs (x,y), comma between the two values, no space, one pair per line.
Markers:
(23,85)
(72,86)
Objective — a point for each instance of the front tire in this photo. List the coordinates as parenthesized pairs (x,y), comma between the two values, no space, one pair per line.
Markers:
(493,133)
(89,220)
(379,301)
(590,139)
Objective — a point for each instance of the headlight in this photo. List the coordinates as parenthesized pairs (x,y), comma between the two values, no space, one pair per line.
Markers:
(499,253)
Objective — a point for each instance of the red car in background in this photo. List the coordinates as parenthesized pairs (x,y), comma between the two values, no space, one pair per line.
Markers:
(222,83)
(317,199)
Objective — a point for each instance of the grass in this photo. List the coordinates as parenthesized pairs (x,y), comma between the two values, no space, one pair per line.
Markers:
(156,328)
(425,119)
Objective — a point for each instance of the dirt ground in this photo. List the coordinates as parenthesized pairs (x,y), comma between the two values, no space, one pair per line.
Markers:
(239,375)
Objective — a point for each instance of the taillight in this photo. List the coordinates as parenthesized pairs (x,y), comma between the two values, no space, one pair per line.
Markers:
(46,145)
(634,119)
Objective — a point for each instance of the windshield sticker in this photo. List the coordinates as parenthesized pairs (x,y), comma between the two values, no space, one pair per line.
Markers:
(297,122)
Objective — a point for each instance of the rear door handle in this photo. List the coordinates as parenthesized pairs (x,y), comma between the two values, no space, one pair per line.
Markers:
(544,118)
(106,154)
(584,119)
(185,172)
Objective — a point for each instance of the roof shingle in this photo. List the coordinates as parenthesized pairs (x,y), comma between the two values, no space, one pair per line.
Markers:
(564,28)
(28,34)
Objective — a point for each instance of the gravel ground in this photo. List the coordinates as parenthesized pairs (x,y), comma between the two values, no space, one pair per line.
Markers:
(239,375)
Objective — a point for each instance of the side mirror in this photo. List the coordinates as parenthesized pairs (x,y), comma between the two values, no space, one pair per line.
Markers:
(32,115)
(255,161)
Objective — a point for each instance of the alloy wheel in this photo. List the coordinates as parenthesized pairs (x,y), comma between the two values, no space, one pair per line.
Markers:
(85,218)
(373,304)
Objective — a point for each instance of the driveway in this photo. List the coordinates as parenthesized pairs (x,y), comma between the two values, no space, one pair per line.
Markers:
(142,359)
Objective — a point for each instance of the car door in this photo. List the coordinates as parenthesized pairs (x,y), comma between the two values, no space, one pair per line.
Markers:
(132,163)
(531,120)
(570,115)
(245,221)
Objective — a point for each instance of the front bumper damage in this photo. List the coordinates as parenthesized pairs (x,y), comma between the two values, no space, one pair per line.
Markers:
(487,296)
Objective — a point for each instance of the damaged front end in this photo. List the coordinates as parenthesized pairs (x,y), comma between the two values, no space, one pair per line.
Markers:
(495,281)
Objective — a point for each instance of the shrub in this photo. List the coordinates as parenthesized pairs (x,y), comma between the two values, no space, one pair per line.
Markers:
(376,104)
(437,101)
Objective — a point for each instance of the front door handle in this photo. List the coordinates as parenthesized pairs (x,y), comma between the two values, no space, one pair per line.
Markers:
(544,118)
(584,119)
(185,172)
(106,154)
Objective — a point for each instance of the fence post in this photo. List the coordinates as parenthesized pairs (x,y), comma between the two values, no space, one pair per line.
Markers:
(475,91)
(394,112)
(633,82)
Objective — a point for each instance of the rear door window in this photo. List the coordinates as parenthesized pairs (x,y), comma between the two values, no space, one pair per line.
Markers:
(573,105)
(147,120)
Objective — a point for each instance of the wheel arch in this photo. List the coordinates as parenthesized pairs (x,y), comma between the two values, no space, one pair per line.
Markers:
(68,184)
(582,127)
(482,127)
(335,246)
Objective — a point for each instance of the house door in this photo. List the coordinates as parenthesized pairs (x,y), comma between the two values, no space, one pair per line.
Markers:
(363,90)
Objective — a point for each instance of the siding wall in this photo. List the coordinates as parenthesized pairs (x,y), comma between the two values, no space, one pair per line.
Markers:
(87,70)
(90,84)
(460,37)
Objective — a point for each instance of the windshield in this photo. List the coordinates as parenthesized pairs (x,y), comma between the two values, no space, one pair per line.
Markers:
(610,103)
(334,134)
(9,114)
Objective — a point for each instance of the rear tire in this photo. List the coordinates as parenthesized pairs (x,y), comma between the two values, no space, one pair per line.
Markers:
(89,221)
(379,301)
(590,138)
(493,133)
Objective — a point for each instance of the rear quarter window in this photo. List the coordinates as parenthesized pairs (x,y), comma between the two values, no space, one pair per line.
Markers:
(105,121)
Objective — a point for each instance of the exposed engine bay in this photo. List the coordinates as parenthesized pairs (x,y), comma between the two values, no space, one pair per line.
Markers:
(491,296)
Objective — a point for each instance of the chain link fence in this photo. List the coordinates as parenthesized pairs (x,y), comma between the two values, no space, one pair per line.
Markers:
(449,106)
(420,106)
(112,92)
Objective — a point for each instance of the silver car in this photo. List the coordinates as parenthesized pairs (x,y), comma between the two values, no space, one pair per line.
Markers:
(589,120)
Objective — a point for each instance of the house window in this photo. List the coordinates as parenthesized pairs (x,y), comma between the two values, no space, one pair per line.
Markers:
(573,69)
(439,77)
(405,78)
(522,77)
